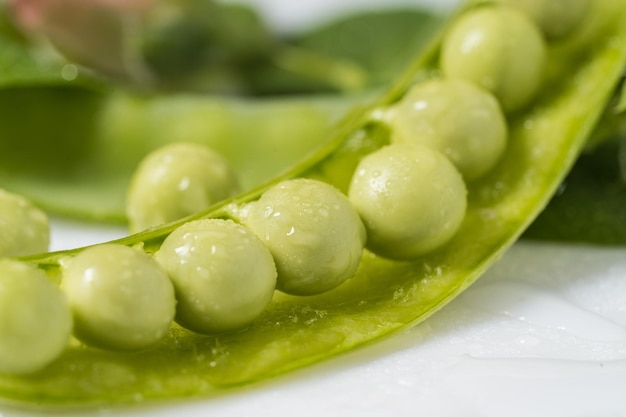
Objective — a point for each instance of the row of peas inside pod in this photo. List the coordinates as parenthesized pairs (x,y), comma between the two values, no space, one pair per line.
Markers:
(301,236)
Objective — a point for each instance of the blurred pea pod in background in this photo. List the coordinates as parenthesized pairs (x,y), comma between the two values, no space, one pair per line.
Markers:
(74,132)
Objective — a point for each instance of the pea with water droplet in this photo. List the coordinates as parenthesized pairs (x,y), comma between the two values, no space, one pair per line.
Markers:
(120,297)
(500,49)
(411,198)
(35,319)
(23,226)
(223,274)
(175,181)
(314,234)
(458,118)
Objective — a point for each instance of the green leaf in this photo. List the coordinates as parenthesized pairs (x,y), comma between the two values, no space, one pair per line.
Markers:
(23,64)
(621,106)
(49,110)
(384,296)
(589,207)
(381,42)
(353,52)
(20,66)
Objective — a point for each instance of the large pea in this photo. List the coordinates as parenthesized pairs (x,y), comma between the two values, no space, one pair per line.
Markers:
(313,232)
(411,198)
(23,226)
(223,274)
(498,48)
(120,297)
(35,319)
(175,181)
(458,118)
(556,18)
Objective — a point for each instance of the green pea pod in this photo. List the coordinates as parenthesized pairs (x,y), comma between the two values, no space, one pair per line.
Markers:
(385,296)
(77,159)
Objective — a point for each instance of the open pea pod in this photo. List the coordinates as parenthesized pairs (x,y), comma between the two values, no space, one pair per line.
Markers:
(384,296)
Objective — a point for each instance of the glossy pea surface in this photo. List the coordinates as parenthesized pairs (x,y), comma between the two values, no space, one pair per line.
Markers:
(175,181)
(120,297)
(411,198)
(459,119)
(313,232)
(35,319)
(498,48)
(223,274)
(23,226)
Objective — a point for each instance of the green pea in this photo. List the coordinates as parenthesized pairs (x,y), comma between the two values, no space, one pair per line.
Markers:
(223,274)
(313,232)
(23,226)
(498,48)
(175,181)
(120,297)
(35,319)
(455,117)
(411,198)
(556,18)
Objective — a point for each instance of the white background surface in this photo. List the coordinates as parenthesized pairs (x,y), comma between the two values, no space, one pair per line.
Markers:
(542,334)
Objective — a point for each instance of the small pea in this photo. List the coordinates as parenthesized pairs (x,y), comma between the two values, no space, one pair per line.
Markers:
(556,18)
(35,319)
(120,297)
(223,274)
(411,198)
(175,181)
(498,48)
(23,226)
(313,232)
(458,118)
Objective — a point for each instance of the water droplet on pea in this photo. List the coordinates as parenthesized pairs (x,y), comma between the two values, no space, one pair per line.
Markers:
(69,72)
